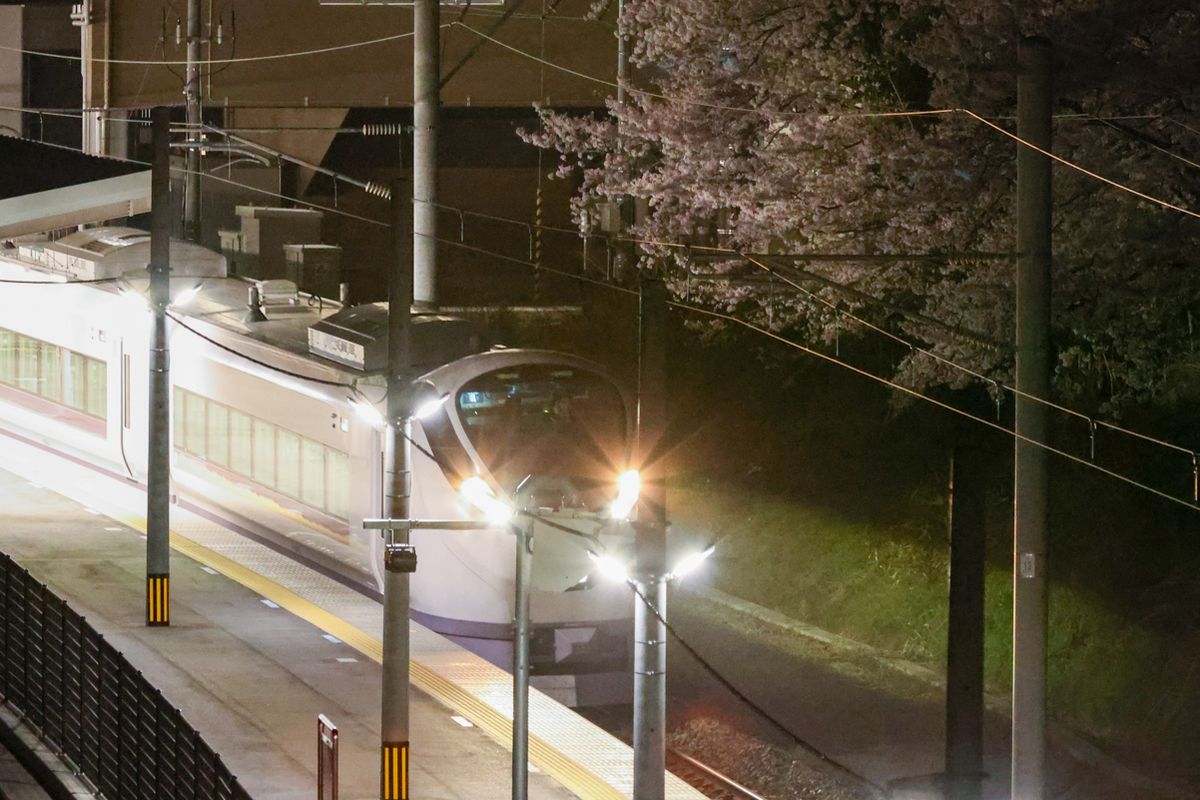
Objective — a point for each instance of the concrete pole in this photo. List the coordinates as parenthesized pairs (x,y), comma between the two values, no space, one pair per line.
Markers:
(622,57)
(1034,105)
(191,96)
(520,732)
(394,750)
(158,460)
(964,644)
(649,633)
(426,79)
(624,250)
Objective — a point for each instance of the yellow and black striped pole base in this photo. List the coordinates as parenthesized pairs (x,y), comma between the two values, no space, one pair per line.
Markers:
(158,600)
(394,774)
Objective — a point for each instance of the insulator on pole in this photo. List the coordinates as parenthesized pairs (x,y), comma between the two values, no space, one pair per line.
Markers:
(382,129)
(379,190)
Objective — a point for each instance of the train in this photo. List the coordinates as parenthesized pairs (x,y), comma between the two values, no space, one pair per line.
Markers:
(277,432)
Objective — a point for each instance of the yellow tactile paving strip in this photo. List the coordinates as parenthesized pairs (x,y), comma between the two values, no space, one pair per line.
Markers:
(582,757)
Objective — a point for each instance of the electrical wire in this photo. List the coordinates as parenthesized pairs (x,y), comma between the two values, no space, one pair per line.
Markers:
(970,336)
(866,114)
(1084,170)
(253,360)
(605,284)
(57,283)
(934,401)
(753,706)
(220,61)
(590,537)
(698,103)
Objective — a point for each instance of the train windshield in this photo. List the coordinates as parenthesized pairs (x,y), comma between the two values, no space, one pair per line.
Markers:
(548,421)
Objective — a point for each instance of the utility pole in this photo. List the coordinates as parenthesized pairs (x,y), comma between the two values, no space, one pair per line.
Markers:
(426,80)
(650,577)
(523,532)
(158,460)
(399,557)
(624,248)
(191,96)
(964,642)
(1034,105)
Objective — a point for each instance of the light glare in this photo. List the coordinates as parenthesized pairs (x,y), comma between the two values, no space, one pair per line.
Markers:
(480,495)
(610,567)
(429,407)
(629,488)
(368,413)
(135,300)
(186,296)
(690,562)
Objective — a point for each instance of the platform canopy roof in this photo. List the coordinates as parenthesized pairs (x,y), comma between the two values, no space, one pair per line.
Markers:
(45,187)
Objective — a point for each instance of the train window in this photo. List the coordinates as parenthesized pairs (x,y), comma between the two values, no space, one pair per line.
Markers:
(97,387)
(177,406)
(546,420)
(337,478)
(218,434)
(53,372)
(8,357)
(75,389)
(264,452)
(241,448)
(27,364)
(279,459)
(288,447)
(193,425)
(312,464)
(49,371)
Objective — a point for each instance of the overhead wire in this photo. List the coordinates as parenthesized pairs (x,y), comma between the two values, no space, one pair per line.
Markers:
(771,334)
(845,115)
(729,686)
(219,61)
(934,401)
(701,104)
(234,351)
(740,255)
(736,254)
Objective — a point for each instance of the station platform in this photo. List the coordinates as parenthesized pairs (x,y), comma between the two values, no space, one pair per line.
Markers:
(260,644)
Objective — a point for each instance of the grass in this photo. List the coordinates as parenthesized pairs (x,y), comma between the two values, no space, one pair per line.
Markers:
(1131,686)
(829,497)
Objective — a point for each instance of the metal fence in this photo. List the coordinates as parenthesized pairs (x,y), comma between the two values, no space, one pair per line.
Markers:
(93,708)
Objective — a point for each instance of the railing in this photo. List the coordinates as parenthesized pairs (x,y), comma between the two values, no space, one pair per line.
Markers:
(92,707)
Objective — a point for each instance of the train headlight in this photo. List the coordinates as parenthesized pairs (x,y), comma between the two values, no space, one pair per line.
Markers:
(690,562)
(629,488)
(480,495)
(610,567)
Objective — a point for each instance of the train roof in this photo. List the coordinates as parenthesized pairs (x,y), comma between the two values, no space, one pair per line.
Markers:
(294,329)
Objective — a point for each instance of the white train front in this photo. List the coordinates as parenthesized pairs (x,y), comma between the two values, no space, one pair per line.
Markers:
(277,434)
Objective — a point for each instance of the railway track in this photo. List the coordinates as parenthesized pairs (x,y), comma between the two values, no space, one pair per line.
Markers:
(713,784)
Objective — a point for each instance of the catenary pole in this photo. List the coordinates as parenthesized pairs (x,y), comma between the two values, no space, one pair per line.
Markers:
(158,457)
(522,528)
(394,749)
(964,640)
(623,250)
(649,632)
(191,96)
(1030,567)
(426,80)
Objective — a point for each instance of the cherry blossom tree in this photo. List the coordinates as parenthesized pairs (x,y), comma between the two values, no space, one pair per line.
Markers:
(769,126)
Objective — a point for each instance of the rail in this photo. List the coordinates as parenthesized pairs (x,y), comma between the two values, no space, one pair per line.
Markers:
(713,784)
(92,707)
